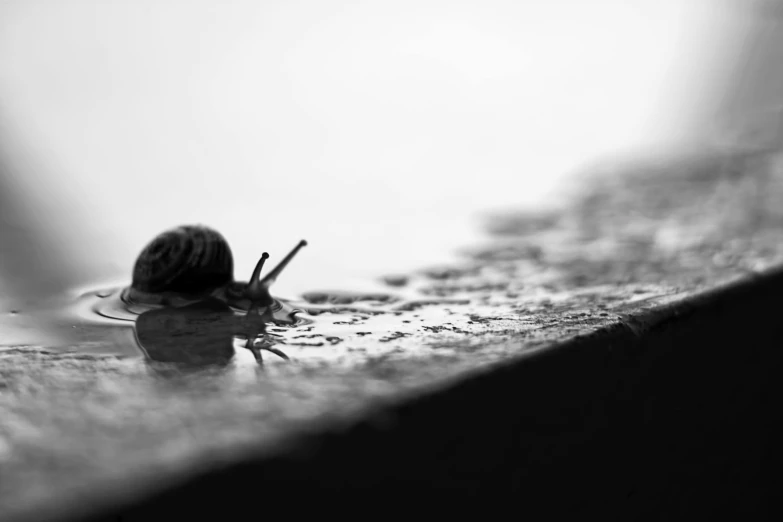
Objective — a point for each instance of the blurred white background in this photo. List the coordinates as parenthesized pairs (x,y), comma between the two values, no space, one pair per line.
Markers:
(377,130)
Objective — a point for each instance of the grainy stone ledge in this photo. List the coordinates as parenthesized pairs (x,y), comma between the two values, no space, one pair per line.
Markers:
(673,417)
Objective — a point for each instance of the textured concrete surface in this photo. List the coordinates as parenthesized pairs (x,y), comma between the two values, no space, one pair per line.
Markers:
(570,343)
(675,418)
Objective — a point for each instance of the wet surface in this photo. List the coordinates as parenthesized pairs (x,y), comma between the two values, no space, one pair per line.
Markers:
(631,238)
(638,237)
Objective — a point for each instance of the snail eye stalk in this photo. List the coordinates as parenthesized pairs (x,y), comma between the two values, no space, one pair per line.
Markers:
(259,266)
(258,293)
(271,277)
(257,288)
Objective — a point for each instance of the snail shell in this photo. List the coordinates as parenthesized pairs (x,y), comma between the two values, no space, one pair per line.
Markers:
(188,261)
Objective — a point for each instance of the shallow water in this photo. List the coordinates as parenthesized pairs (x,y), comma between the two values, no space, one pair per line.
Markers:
(105,321)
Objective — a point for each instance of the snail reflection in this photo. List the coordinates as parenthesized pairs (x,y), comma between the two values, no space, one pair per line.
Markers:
(186,276)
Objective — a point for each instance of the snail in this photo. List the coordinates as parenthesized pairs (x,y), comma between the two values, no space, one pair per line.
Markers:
(191,262)
(188,270)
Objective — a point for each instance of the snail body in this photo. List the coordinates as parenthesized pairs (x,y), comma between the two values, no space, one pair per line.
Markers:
(190,263)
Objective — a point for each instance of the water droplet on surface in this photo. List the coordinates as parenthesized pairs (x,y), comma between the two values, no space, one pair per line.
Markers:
(396,280)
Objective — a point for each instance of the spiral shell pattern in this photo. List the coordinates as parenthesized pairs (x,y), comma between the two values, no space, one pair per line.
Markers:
(189,259)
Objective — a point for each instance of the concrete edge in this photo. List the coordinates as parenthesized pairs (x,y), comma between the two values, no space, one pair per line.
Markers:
(669,413)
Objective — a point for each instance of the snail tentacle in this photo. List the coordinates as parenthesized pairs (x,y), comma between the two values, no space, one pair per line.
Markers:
(271,277)
(259,266)
(257,292)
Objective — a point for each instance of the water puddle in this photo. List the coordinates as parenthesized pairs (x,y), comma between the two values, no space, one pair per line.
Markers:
(409,314)
(435,310)
(328,325)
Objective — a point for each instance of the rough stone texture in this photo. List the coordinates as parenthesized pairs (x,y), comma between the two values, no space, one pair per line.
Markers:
(533,383)
(673,419)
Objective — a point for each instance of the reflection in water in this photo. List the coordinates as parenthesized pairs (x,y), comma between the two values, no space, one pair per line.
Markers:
(200,334)
(162,325)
